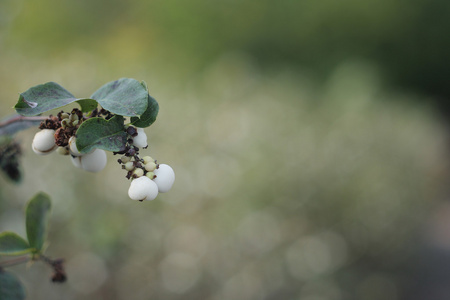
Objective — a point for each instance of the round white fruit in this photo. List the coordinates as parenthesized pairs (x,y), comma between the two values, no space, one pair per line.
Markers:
(94,161)
(150,167)
(73,147)
(165,177)
(44,142)
(91,162)
(141,139)
(148,159)
(143,188)
(76,161)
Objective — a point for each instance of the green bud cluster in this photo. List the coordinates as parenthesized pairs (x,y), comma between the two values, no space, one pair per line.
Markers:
(69,120)
(137,167)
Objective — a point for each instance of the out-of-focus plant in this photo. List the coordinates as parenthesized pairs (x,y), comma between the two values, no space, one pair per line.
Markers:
(30,249)
(84,134)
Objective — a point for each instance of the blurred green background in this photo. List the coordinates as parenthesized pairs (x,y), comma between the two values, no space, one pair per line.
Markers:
(308,138)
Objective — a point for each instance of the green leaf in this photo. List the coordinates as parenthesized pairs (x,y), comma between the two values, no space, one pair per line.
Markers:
(48,96)
(100,133)
(37,214)
(149,116)
(12,244)
(10,287)
(42,98)
(87,105)
(125,97)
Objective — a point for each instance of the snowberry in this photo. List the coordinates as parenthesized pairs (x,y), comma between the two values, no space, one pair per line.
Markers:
(129,166)
(143,188)
(44,142)
(73,147)
(91,162)
(94,161)
(62,151)
(76,161)
(165,177)
(150,175)
(138,172)
(125,159)
(150,167)
(141,139)
(148,159)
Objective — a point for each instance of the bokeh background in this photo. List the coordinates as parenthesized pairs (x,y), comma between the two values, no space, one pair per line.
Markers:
(309,140)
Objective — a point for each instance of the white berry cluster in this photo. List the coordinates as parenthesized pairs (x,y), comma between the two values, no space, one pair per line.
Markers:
(46,141)
(148,177)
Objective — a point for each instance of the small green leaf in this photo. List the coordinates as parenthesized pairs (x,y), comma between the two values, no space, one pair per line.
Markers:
(87,104)
(12,244)
(100,133)
(10,287)
(125,97)
(37,214)
(149,116)
(42,98)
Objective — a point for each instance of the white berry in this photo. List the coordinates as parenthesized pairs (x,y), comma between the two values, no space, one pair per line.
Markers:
(141,139)
(62,151)
(125,159)
(44,142)
(150,167)
(143,188)
(94,161)
(73,147)
(148,159)
(76,161)
(165,177)
(129,166)
(138,172)
(91,162)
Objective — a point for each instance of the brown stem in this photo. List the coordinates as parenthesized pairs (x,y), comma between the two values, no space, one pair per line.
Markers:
(14,261)
(20,118)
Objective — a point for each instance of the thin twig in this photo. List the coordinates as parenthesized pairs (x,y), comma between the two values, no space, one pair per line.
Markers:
(20,118)
(14,261)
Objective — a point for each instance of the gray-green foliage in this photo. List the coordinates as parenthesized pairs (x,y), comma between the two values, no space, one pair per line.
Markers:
(37,214)
(11,244)
(10,287)
(101,133)
(125,97)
